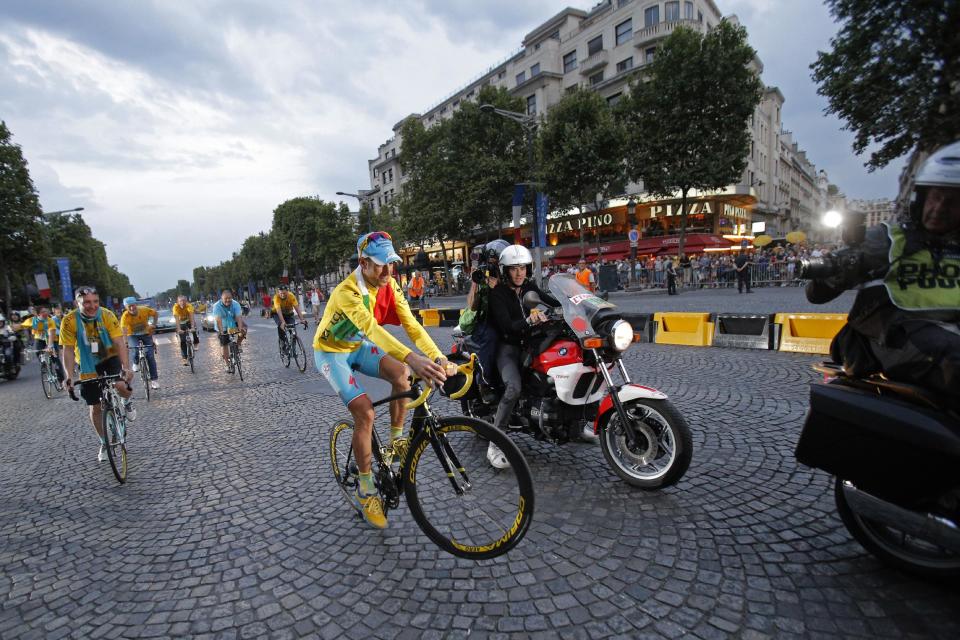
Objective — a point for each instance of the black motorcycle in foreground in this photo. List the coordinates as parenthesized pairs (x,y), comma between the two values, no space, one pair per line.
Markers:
(568,368)
(9,364)
(895,451)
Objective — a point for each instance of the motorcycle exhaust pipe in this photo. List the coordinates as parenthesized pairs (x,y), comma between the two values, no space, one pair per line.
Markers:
(935,529)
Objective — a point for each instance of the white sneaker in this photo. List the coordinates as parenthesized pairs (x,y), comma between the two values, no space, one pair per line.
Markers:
(587,435)
(131,412)
(154,384)
(496,458)
(102,456)
(134,367)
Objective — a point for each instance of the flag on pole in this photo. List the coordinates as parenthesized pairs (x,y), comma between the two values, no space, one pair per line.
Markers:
(517,204)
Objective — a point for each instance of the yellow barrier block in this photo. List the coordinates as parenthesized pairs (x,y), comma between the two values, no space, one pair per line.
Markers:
(430,317)
(808,332)
(693,329)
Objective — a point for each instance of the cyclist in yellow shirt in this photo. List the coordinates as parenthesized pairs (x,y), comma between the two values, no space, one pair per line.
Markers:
(183,315)
(350,339)
(285,305)
(138,323)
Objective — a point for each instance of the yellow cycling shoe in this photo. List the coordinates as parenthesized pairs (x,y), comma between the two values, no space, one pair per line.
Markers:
(400,447)
(371,508)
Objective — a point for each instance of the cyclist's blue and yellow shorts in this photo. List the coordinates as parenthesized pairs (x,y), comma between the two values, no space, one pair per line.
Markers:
(340,368)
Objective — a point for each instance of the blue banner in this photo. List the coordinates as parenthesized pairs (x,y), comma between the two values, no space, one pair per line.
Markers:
(66,284)
(540,237)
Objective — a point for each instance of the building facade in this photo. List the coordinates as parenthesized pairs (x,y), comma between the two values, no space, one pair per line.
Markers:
(874,211)
(600,49)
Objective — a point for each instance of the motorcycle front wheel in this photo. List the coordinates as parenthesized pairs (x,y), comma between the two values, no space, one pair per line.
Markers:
(663,448)
(898,549)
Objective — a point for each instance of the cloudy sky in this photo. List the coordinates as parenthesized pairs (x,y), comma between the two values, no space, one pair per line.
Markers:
(180,125)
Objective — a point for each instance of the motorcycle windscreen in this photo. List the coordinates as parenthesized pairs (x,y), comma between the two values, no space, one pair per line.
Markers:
(579,305)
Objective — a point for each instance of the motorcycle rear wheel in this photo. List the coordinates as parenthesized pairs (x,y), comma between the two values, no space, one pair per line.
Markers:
(663,454)
(905,552)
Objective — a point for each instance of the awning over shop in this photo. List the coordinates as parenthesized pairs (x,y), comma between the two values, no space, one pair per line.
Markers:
(694,243)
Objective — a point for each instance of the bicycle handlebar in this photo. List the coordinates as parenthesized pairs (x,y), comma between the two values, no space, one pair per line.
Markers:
(99,380)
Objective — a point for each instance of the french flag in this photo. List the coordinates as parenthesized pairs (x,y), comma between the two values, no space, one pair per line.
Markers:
(517,204)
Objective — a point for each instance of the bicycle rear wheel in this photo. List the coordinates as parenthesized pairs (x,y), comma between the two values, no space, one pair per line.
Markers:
(113,433)
(45,381)
(299,355)
(465,506)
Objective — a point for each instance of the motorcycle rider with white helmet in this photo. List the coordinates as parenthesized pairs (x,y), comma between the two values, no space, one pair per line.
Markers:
(512,323)
(905,321)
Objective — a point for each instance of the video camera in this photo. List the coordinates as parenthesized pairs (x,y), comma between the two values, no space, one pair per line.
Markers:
(847,263)
(486,258)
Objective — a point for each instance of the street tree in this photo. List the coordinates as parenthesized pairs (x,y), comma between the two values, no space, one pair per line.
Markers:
(687,114)
(21,219)
(893,75)
(581,147)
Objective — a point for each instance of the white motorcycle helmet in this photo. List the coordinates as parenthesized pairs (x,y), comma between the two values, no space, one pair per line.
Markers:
(942,169)
(515,255)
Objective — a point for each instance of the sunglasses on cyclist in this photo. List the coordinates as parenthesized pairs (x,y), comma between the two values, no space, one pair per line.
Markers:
(85,291)
(372,237)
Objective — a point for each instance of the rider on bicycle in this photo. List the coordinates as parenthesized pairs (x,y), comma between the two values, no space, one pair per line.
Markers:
(183,315)
(285,305)
(100,351)
(229,315)
(138,323)
(350,338)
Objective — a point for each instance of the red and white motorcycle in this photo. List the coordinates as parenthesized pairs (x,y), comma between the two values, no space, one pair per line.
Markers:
(568,383)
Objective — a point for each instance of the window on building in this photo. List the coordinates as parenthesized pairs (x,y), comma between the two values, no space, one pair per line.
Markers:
(651,16)
(535,70)
(570,62)
(532,105)
(571,88)
(521,77)
(376,172)
(688,10)
(501,74)
(596,78)
(555,35)
(595,46)
(622,3)
(625,65)
(624,31)
(671,11)
(649,54)
(699,16)
(614,99)
(456,102)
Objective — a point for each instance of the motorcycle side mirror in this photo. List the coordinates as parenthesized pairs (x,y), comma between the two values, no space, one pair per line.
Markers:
(531,300)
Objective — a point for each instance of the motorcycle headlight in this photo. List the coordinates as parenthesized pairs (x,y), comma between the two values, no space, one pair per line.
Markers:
(621,335)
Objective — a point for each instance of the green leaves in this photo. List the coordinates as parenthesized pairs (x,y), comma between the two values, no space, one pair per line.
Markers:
(893,75)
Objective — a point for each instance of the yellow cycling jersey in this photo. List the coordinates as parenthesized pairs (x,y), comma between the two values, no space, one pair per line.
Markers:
(182,314)
(285,305)
(349,317)
(102,331)
(138,324)
(39,327)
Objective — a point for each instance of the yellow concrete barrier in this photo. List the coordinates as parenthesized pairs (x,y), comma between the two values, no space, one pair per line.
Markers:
(808,332)
(694,329)
(430,317)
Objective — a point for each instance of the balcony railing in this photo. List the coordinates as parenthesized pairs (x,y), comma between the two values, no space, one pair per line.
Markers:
(663,29)
(594,62)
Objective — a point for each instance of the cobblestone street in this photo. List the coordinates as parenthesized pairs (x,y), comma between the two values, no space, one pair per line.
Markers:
(230,525)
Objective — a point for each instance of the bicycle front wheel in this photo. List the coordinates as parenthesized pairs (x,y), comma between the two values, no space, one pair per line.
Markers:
(299,355)
(464,505)
(48,386)
(145,377)
(284,352)
(236,361)
(116,448)
(190,354)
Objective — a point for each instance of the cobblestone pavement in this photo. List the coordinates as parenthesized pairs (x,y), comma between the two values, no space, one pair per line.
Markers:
(230,526)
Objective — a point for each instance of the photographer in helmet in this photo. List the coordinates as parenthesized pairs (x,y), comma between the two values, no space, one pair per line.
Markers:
(905,321)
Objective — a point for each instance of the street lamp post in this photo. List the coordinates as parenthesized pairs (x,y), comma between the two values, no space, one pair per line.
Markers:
(362,202)
(634,237)
(529,124)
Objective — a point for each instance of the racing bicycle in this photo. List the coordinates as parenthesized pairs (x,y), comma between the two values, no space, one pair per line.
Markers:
(292,348)
(48,375)
(461,503)
(113,422)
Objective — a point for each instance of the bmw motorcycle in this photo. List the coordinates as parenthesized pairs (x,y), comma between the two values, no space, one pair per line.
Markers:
(568,370)
(894,450)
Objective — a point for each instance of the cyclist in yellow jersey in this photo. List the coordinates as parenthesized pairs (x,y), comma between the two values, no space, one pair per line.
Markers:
(350,339)
(91,338)
(182,312)
(138,323)
(285,305)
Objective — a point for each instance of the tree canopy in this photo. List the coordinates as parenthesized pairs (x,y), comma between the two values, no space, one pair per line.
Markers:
(893,75)
(687,113)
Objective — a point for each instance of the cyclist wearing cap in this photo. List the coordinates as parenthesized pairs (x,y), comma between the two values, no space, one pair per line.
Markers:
(138,323)
(350,338)
(53,338)
(229,315)
(182,312)
(284,306)
(92,337)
